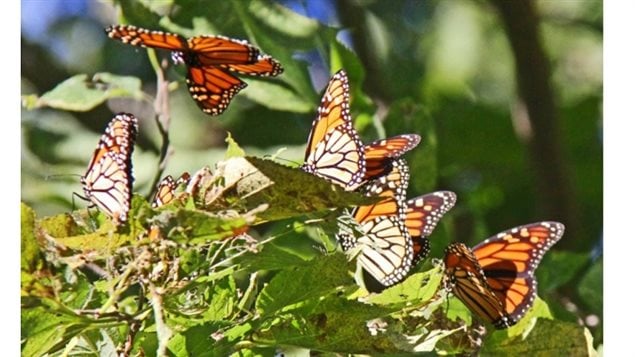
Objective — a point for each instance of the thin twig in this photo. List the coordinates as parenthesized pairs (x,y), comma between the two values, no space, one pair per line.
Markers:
(162,116)
(132,331)
(163,331)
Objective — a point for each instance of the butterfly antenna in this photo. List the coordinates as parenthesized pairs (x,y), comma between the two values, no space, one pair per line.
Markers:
(275,157)
(49,177)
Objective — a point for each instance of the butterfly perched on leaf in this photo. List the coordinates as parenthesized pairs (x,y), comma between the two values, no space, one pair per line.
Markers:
(388,261)
(495,279)
(166,189)
(334,150)
(108,181)
(211,61)
(386,249)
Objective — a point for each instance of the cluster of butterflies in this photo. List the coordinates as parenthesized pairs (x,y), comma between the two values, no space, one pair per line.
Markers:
(494,279)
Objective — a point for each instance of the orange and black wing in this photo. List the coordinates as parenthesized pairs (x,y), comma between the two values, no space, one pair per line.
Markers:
(509,261)
(165,192)
(212,88)
(211,63)
(108,180)
(391,188)
(138,36)
(467,281)
(265,66)
(381,153)
(334,151)
(386,249)
(166,189)
(496,279)
(221,50)
(234,55)
(422,215)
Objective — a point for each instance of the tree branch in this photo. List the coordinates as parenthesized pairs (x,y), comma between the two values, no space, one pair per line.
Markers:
(554,193)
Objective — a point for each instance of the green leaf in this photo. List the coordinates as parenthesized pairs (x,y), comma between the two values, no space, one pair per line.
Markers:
(233,149)
(249,295)
(230,336)
(276,97)
(590,287)
(44,331)
(407,116)
(318,277)
(105,239)
(335,324)
(343,57)
(298,193)
(30,258)
(140,13)
(417,289)
(539,309)
(259,352)
(201,226)
(456,310)
(548,338)
(81,94)
(558,268)
(429,341)
(272,257)
(282,19)
(61,225)
(223,297)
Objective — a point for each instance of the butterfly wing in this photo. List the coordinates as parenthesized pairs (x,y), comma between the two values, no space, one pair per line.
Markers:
(422,215)
(212,88)
(108,179)
(211,61)
(137,36)
(265,66)
(166,189)
(496,279)
(509,260)
(381,153)
(164,192)
(386,252)
(386,247)
(334,150)
(391,188)
(221,50)
(466,279)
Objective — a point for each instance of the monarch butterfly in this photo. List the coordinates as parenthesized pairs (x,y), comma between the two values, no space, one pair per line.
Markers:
(380,154)
(422,215)
(165,191)
(334,151)
(210,62)
(386,246)
(495,279)
(108,180)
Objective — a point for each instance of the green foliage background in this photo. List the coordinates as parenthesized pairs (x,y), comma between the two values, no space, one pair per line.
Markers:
(442,69)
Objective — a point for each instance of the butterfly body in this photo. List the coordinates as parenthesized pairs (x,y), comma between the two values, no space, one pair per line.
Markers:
(495,279)
(210,61)
(108,180)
